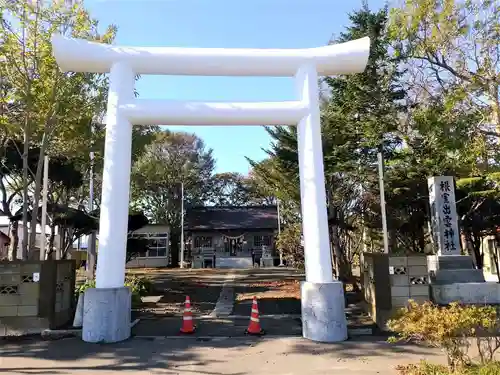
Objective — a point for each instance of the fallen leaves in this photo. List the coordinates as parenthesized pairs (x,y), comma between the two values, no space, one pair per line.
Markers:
(271,289)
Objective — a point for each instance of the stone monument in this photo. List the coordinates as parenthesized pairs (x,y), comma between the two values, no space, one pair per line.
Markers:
(453,276)
(267,257)
(444,220)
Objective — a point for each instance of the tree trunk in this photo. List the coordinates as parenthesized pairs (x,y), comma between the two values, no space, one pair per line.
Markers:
(431,235)
(343,269)
(26,139)
(469,246)
(473,243)
(92,256)
(63,240)
(14,240)
(495,106)
(36,193)
(52,238)
(476,245)
(495,255)
(175,238)
(421,240)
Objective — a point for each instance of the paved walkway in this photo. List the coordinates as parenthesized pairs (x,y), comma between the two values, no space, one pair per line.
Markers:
(252,356)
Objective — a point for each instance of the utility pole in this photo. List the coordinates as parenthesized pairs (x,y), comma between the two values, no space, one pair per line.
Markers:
(279,230)
(182,225)
(91,243)
(382,199)
(45,192)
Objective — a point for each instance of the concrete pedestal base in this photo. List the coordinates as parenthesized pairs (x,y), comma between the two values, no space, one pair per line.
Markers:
(106,315)
(467,293)
(323,311)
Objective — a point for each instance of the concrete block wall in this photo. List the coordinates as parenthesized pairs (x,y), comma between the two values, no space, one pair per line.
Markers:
(19,292)
(409,280)
(390,281)
(35,295)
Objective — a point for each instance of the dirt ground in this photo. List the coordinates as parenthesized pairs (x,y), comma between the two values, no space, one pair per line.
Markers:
(171,286)
(277,291)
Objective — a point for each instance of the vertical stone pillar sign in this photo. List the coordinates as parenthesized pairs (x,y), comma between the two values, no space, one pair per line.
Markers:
(444,219)
(107,307)
(453,277)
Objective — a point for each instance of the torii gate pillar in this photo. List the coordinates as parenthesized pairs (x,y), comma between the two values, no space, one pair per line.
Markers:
(107,307)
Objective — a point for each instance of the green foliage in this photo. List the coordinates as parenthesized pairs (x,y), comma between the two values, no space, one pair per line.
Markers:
(171,159)
(139,286)
(289,243)
(478,207)
(50,103)
(230,189)
(451,47)
(42,105)
(426,368)
(450,328)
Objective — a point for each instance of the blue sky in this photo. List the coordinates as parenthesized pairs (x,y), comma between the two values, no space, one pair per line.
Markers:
(226,24)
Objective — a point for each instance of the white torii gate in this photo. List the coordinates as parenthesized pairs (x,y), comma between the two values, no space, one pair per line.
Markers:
(107,307)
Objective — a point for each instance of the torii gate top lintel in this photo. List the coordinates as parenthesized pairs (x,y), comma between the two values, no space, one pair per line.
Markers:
(80,55)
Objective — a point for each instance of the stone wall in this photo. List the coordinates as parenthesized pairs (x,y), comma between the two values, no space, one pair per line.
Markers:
(36,295)
(390,281)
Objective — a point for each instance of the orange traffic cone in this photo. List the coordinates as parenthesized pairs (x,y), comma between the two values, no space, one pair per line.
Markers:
(187,319)
(254,327)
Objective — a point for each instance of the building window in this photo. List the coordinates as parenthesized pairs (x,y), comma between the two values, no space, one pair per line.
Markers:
(203,241)
(259,241)
(157,244)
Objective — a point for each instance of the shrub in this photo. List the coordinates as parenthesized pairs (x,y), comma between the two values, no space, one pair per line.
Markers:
(289,243)
(140,286)
(425,368)
(453,329)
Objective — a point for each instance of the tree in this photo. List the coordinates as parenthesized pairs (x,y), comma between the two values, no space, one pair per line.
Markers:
(289,242)
(11,186)
(141,137)
(452,47)
(52,108)
(359,116)
(234,189)
(229,189)
(173,159)
(478,207)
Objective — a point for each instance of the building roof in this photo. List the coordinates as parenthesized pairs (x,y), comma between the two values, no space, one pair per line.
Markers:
(231,217)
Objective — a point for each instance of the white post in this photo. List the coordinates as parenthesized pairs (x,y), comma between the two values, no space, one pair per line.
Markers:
(113,221)
(382,201)
(318,262)
(45,192)
(182,225)
(322,298)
